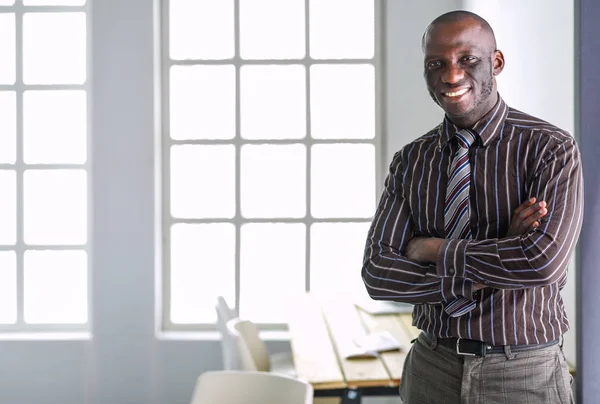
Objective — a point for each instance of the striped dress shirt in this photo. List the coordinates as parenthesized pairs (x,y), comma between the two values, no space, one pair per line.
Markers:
(515,156)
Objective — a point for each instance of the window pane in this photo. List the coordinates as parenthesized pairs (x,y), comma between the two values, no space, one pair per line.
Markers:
(272,29)
(54,127)
(341,29)
(55,287)
(203,181)
(273,102)
(202,268)
(201,29)
(343,180)
(54,2)
(54,48)
(7,48)
(202,103)
(8,127)
(342,101)
(272,269)
(8,287)
(55,207)
(8,207)
(273,181)
(337,274)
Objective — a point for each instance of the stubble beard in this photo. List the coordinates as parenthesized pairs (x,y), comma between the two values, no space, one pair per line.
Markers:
(487,88)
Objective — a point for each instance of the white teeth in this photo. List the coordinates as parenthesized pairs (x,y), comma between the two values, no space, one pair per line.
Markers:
(456,94)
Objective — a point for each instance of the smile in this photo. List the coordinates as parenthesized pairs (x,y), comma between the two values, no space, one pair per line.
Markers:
(456,93)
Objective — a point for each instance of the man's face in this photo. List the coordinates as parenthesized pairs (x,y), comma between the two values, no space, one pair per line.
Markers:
(460,63)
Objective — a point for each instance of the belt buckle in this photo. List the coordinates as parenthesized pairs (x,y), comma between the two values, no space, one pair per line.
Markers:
(458,351)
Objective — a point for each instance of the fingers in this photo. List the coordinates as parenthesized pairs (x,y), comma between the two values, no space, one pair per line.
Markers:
(533,221)
(534,225)
(527,217)
(524,205)
(530,215)
(532,211)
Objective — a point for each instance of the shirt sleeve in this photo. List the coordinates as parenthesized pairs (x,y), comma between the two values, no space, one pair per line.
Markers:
(386,272)
(540,257)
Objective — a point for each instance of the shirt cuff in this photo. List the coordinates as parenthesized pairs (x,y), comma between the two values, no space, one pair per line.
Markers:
(451,258)
(454,288)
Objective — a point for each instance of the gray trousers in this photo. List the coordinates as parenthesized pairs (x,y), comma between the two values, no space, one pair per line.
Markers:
(435,374)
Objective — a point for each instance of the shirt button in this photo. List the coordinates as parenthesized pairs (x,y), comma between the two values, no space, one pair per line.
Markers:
(451,271)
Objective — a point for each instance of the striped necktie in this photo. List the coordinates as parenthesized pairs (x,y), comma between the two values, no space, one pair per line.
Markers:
(457,209)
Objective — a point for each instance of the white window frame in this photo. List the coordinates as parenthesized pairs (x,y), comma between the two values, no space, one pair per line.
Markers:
(164,142)
(20,326)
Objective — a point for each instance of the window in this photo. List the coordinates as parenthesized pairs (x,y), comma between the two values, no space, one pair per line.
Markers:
(270,148)
(43,165)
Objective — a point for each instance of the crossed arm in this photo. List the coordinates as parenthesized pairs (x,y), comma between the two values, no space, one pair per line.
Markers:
(524,220)
(398,266)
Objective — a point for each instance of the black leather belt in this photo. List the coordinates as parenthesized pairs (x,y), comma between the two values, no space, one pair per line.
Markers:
(470,347)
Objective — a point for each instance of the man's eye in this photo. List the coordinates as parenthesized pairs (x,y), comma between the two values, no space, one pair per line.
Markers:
(433,65)
(470,59)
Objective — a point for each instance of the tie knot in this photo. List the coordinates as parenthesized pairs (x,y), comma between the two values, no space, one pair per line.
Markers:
(465,138)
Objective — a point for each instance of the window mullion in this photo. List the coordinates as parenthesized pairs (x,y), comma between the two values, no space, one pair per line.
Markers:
(165,186)
(380,96)
(308,142)
(19,167)
(238,142)
(49,9)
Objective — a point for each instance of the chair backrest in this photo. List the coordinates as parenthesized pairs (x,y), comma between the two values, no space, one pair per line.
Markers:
(229,349)
(252,350)
(245,387)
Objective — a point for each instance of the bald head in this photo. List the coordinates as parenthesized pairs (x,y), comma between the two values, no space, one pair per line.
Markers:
(460,64)
(462,16)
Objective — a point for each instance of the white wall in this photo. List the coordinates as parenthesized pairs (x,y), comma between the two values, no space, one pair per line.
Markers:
(537,39)
(410,111)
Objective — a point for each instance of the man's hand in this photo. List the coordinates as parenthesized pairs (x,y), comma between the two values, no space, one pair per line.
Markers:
(423,249)
(526,217)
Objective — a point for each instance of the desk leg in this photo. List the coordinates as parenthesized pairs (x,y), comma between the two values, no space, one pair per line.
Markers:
(352,396)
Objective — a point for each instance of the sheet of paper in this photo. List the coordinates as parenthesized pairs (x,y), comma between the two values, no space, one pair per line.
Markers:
(370,345)
(381,341)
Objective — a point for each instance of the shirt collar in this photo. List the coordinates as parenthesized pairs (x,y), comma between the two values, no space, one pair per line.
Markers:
(488,127)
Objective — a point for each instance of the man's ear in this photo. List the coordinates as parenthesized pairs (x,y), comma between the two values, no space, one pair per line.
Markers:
(498,62)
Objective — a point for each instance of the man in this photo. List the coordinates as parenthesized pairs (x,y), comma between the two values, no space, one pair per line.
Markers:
(476,226)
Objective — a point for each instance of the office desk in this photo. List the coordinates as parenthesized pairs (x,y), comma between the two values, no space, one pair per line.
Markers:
(319,331)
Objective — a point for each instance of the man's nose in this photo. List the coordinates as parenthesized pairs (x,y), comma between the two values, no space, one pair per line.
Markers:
(453,74)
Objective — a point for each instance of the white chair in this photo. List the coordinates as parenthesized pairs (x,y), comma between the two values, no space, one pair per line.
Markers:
(253,353)
(245,387)
(229,348)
